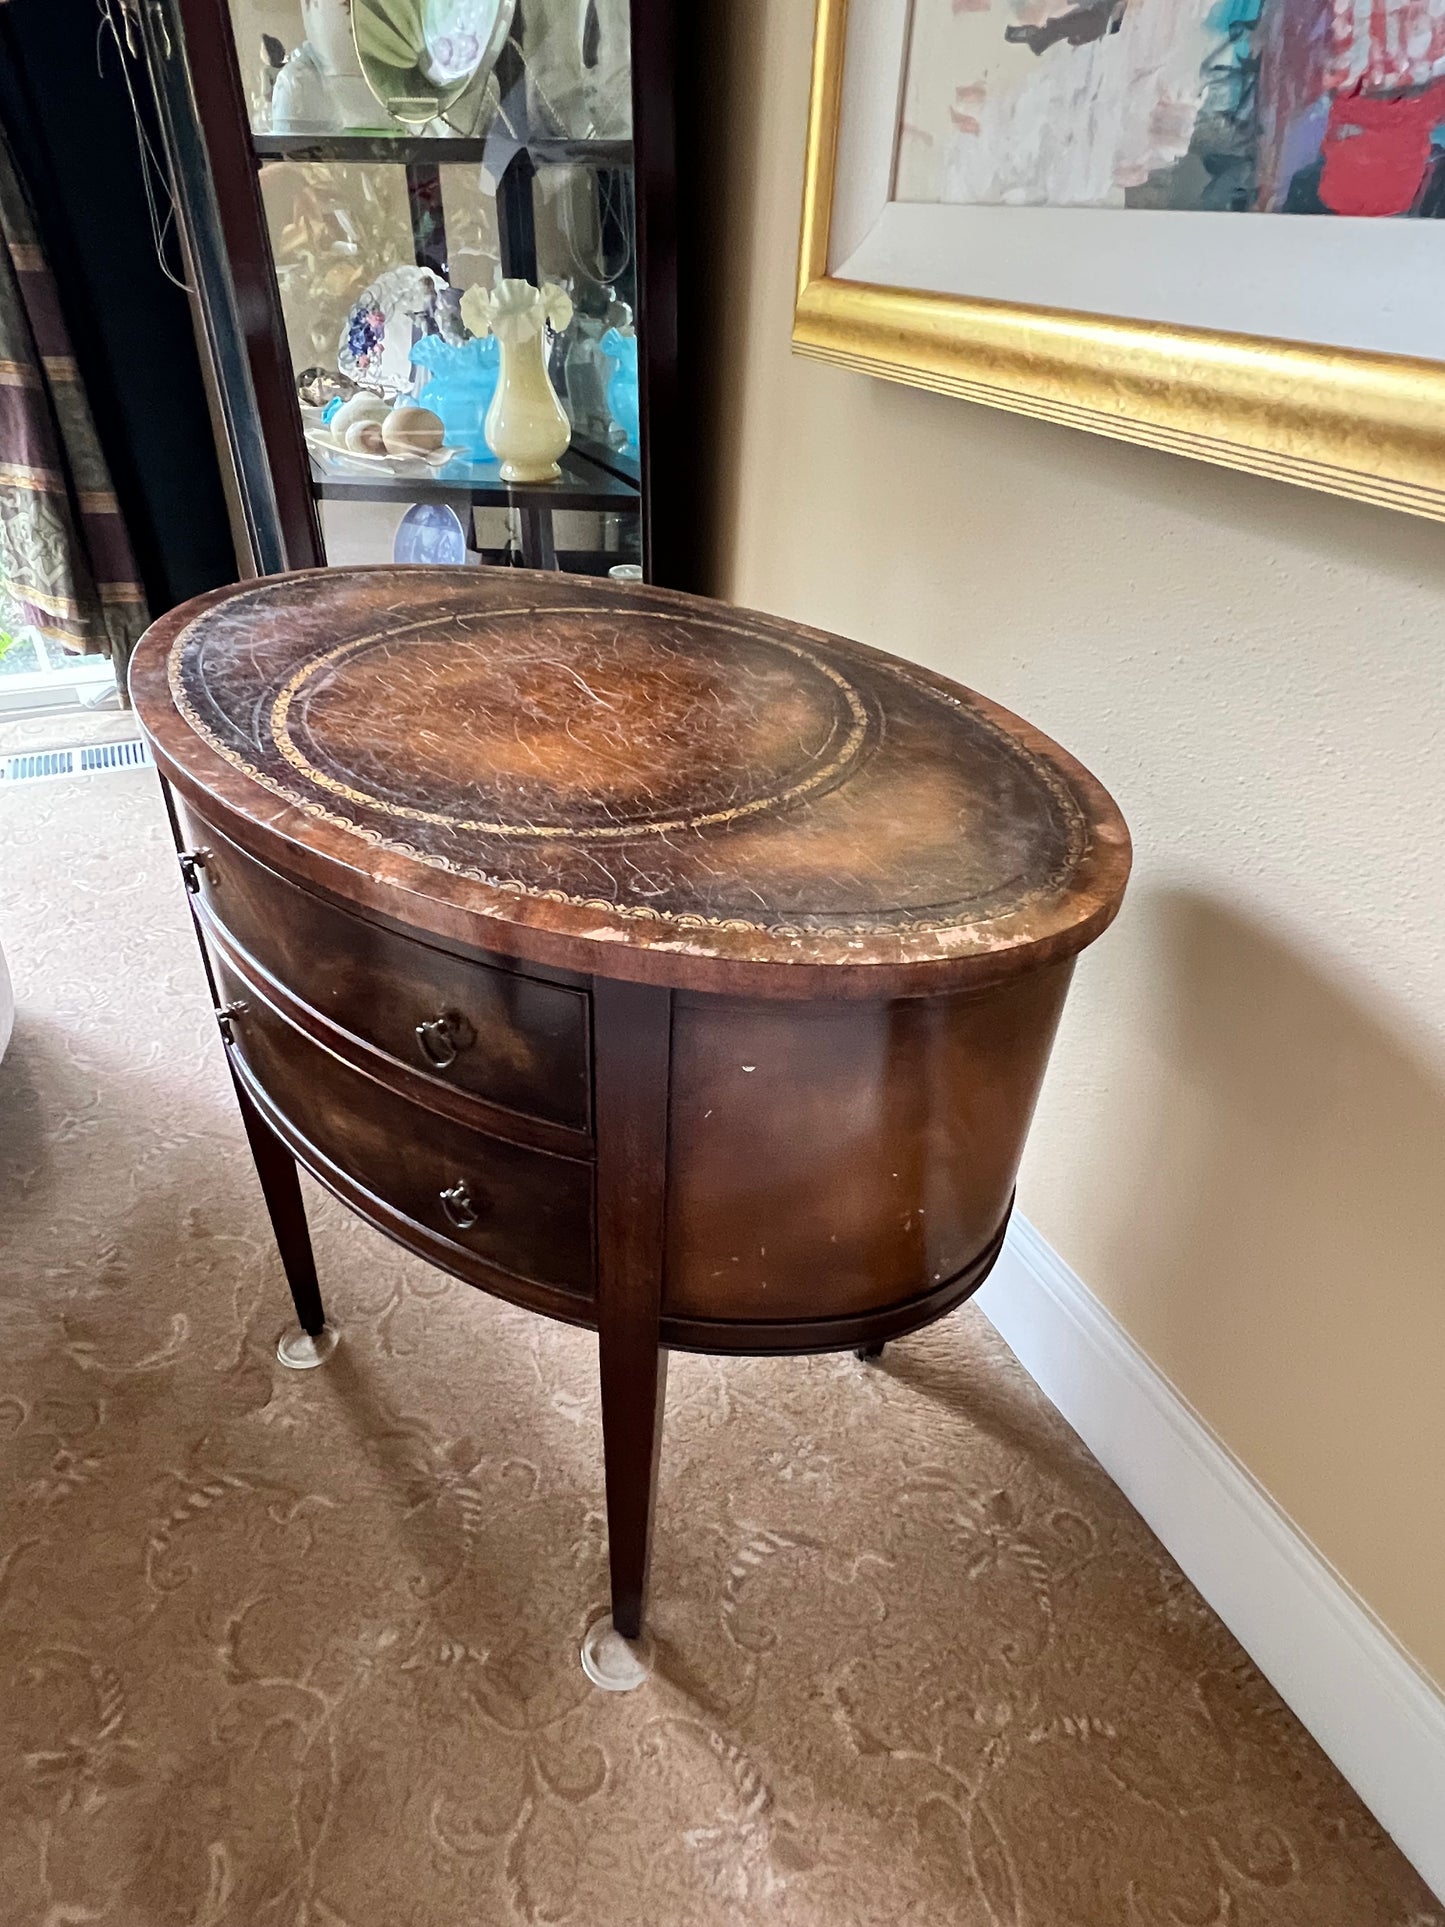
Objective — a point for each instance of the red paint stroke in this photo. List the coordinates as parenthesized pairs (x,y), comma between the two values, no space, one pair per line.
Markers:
(965,123)
(970,6)
(1293,45)
(1376,150)
(973,94)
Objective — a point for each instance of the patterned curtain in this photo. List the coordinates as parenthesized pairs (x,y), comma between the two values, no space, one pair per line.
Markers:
(65,558)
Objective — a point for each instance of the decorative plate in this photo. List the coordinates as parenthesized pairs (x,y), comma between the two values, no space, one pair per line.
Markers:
(420,56)
(430,532)
(381,329)
(332,451)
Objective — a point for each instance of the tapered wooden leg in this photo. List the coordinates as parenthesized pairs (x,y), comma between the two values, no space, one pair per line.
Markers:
(281,1188)
(632,1042)
(634,1387)
(869,1352)
(275,1167)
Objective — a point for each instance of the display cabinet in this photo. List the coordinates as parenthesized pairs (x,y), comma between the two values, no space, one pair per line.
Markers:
(364,186)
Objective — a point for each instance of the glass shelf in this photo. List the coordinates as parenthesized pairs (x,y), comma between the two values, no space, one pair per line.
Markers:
(583,484)
(494,149)
(624,463)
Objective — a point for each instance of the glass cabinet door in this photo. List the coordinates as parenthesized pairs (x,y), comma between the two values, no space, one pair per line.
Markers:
(447,197)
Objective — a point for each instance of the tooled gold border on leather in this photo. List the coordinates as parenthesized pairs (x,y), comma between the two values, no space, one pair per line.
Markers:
(841,760)
(899,925)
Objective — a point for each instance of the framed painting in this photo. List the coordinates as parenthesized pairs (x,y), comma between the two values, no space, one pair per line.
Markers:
(1213,226)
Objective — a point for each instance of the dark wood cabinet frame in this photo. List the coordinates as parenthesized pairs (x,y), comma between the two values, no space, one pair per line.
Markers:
(204,117)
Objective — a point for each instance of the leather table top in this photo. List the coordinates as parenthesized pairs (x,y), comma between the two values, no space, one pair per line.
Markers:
(614,764)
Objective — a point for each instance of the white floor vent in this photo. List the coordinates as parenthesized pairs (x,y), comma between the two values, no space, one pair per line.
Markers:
(89,759)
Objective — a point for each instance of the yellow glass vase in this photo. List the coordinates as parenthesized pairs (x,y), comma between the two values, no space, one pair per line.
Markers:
(527,427)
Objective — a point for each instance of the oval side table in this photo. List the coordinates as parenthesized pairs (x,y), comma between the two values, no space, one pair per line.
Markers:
(658,966)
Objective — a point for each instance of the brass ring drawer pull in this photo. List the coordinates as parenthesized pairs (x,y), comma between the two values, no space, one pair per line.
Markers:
(192,863)
(459,1205)
(441,1040)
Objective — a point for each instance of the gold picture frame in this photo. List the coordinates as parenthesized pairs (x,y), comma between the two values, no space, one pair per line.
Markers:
(1346,421)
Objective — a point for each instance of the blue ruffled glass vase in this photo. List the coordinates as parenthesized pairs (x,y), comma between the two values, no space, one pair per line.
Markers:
(622,395)
(461,381)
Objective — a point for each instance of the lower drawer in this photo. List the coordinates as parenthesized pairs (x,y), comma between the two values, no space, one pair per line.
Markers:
(523,1211)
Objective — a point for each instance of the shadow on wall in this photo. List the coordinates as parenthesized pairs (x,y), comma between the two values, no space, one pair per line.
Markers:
(1294,1143)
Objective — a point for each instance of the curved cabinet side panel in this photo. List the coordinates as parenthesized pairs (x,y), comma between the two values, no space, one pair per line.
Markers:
(836,1159)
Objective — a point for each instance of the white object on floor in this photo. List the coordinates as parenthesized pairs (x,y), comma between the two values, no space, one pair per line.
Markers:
(615,1664)
(302,1352)
(1315,1640)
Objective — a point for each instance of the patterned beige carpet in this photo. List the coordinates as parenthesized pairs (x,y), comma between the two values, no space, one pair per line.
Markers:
(280,1650)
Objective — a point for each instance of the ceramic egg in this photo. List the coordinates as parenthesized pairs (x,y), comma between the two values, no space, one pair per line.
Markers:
(365,438)
(409,430)
(361,408)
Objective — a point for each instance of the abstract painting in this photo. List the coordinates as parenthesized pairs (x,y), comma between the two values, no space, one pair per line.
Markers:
(1033,204)
(1332,107)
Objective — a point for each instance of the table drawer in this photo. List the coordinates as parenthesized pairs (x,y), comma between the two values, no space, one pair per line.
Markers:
(527,1212)
(485,1028)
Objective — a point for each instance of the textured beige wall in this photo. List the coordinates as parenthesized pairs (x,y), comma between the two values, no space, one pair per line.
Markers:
(1241,1146)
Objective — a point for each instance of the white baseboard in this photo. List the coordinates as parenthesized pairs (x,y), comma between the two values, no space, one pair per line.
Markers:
(1329,1658)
